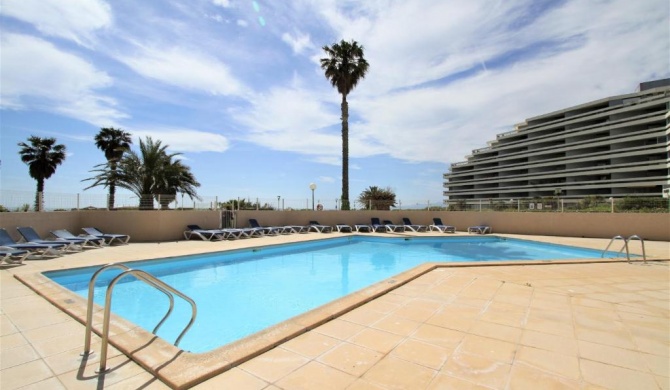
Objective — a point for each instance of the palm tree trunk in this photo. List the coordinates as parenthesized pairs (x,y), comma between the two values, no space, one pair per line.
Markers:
(38,195)
(112,196)
(345,154)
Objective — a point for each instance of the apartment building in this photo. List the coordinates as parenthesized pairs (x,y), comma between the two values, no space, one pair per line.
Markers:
(613,147)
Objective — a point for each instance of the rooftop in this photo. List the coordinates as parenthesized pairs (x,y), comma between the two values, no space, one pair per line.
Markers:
(542,325)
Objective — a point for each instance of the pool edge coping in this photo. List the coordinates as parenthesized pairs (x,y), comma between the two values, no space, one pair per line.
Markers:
(179,369)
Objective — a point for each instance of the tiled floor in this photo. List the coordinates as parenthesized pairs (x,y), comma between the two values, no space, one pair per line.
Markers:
(589,326)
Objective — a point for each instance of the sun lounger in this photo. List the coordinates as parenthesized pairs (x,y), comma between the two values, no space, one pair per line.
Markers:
(392,227)
(342,228)
(266,230)
(479,229)
(415,228)
(30,236)
(376,225)
(361,228)
(38,249)
(86,241)
(108,237)
(13,256)
(317,227)
(440,227)
(195,231)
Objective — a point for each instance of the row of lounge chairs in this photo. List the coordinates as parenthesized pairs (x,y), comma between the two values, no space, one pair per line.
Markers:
(258,230)
(32,244)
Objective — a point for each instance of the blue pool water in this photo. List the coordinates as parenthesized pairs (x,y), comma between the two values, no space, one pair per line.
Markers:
(241,292)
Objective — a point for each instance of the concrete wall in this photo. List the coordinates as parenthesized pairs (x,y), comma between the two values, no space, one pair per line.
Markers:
(144,226)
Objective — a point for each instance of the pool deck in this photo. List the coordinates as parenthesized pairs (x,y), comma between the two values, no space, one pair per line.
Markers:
(572,325)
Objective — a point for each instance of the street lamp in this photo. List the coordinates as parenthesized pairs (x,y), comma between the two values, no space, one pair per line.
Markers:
(312,187)
(278,197)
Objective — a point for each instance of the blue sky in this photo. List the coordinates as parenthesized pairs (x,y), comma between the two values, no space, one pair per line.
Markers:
(236,87)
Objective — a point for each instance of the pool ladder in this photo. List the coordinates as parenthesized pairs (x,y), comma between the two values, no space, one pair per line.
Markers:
(140,275)
(625,246)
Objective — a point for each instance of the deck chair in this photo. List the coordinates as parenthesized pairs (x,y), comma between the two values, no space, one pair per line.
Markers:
(86,241)
(195,231)
(362,228)
(317,227)
(13,256)
(108,237)
(415,228)
(440,227)
(392,227)
(479,229)
(266,230)
(41,250)
(343,228)
(30,236)
(376,225)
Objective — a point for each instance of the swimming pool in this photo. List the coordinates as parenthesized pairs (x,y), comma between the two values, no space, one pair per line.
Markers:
(241,292)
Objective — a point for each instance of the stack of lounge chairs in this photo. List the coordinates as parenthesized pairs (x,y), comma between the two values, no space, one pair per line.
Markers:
(32,245)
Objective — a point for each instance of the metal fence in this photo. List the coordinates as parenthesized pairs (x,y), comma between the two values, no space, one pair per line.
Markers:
(25,201)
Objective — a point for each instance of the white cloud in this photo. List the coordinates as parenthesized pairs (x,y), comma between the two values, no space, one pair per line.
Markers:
(185,68)
(416,106)
(299,43)
(222,3)
(75,20)
(185,140)
(36,75)
(242,23)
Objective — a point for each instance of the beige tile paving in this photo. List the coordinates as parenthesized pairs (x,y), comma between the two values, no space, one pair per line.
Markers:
(556,326)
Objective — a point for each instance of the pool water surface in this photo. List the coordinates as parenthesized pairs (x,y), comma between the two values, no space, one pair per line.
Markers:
(241,292)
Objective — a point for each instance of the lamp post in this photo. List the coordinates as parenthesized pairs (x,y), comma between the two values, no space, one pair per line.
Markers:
(278,206)
(312,187)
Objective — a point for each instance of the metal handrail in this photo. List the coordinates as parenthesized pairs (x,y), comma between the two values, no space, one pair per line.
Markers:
(636,237)
(89,307)
(142,276)
(625,246)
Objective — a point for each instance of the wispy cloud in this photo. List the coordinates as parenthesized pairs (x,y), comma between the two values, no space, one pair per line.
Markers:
(35,73)
(76,20)
(184,140)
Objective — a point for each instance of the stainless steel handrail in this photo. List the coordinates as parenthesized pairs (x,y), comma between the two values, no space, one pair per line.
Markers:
(636,237)
(89,307)
(142,276)
(625,246)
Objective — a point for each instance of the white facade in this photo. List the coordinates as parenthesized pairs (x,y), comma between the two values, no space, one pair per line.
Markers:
(612,147)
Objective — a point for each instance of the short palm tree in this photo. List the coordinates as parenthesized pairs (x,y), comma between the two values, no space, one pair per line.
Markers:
(375,198)
(153,173)
(114,143)
(345,66)
(42,155)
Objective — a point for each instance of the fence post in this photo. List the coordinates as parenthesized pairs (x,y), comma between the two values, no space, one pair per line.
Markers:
(561,205)
(480,205)
(216,202)
(77,201)
(612,204)
(518,205)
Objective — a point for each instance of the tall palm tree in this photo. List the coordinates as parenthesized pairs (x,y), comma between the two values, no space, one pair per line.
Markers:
(345,66)
(153,173)
(42,155)
(114,143)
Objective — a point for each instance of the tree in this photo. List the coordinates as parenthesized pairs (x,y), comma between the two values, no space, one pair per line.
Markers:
(42,156)
(114,143)
(375,198)
(155,174)
(345,66)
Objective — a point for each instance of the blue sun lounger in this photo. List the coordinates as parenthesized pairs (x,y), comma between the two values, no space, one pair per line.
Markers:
(30,236)
(109,238)
(86,241)
(439,226)
(38,249)
(317,227)
(479,229)
(415,228)
(13,256)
